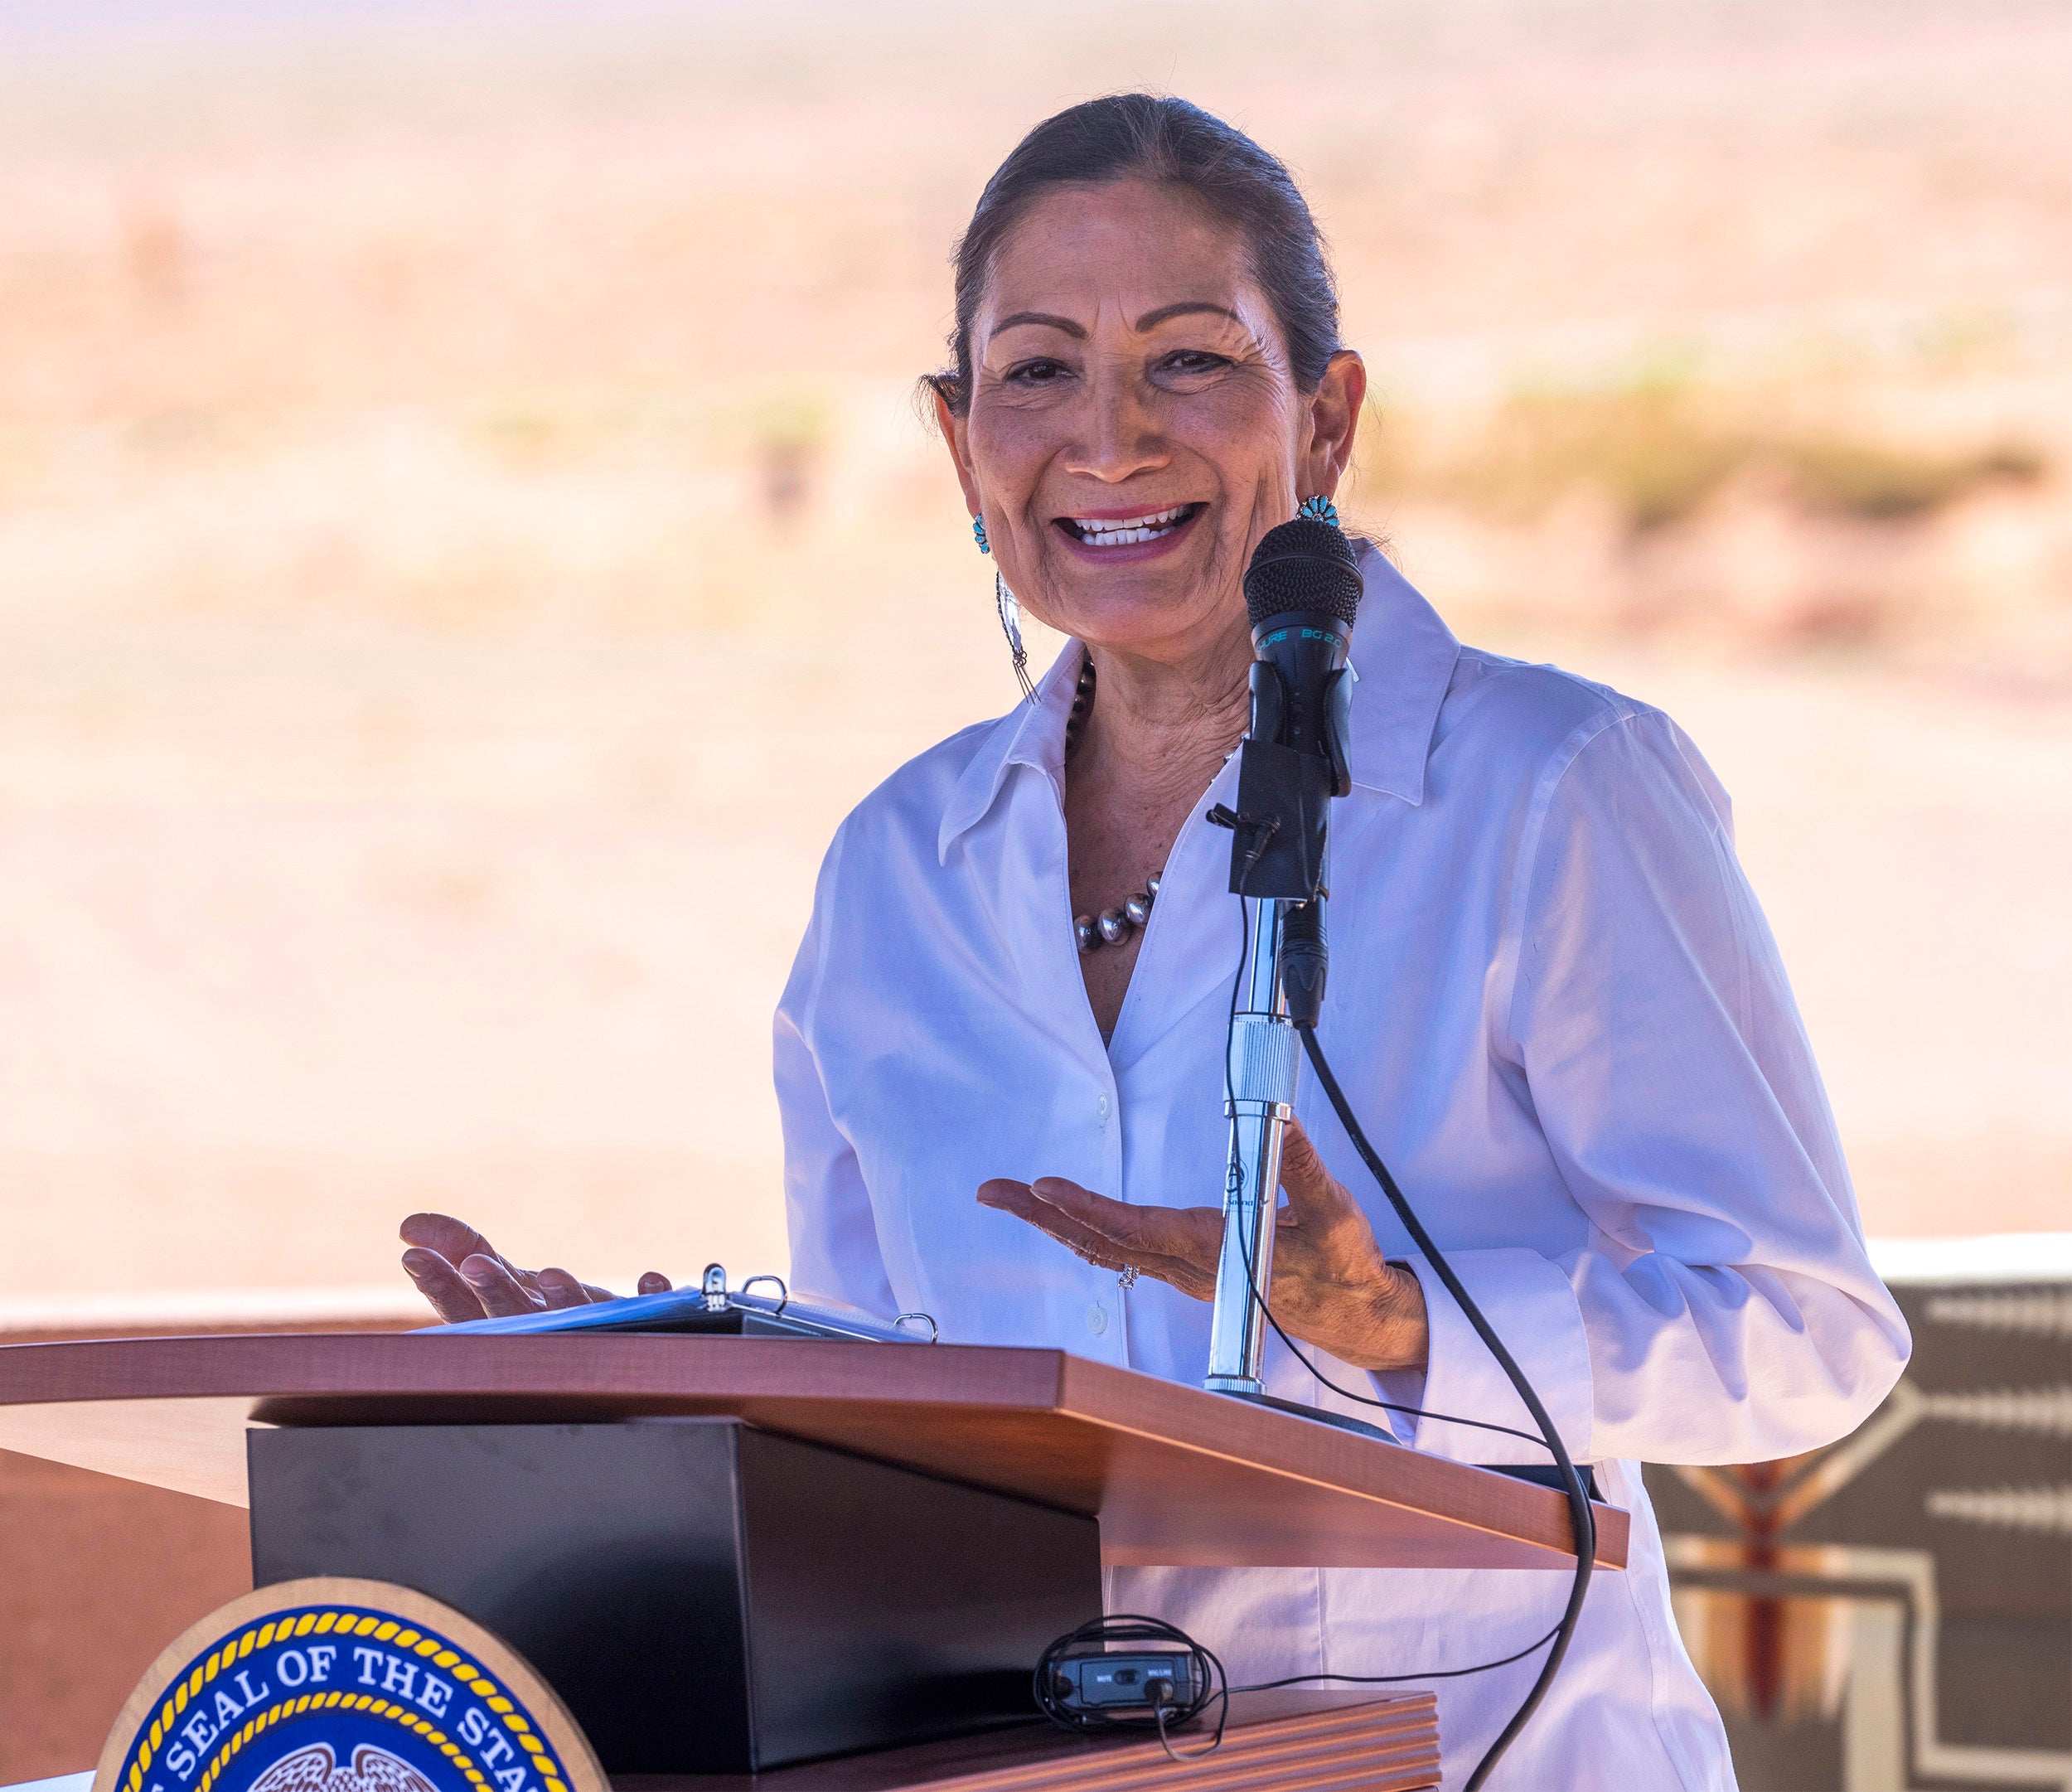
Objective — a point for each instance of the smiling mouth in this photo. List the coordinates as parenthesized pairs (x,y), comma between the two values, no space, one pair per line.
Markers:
(1104,532)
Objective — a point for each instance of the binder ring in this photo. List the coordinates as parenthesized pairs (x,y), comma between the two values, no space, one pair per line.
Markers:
(933,1333)
(784,1294)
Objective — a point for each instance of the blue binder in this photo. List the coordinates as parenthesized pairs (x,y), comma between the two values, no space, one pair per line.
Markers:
(692,1310)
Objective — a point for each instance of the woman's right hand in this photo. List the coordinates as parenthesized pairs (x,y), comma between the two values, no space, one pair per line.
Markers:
(464,1277)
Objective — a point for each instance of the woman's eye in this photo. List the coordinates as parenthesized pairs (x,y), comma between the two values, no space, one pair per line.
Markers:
(1195,360)
(1041,372)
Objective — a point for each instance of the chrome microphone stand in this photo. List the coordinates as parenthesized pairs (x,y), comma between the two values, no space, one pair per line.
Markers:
(1280,989)
(1264,1065)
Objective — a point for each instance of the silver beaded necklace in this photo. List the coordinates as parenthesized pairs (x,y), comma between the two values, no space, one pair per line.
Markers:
(1112,927)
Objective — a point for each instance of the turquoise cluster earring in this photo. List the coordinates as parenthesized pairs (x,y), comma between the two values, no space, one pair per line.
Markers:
(1318,509)
(1009,611)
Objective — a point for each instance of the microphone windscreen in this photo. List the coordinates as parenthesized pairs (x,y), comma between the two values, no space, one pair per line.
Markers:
(1305,565)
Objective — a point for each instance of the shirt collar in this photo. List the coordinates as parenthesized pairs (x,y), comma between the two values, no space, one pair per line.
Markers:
(1032,734)
(1404,655)
(1406,651)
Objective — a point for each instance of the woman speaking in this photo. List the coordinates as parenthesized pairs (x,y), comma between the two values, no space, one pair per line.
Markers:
(1555,1004)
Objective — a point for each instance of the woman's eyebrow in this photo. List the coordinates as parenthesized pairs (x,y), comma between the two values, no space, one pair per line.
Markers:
(1049,319)
(1152,319)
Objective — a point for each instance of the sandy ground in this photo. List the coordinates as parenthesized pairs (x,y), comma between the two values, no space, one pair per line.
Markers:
(465,540)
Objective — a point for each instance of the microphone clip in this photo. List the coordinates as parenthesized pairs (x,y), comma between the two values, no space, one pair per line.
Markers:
(1283,801)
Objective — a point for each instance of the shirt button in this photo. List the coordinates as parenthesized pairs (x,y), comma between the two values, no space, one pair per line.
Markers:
(1102,1107)
(1097,1318)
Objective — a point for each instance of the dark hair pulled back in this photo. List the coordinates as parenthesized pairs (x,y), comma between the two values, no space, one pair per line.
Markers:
(1153,137)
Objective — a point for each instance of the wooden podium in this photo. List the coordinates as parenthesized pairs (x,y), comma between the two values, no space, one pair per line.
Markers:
(1171,1474)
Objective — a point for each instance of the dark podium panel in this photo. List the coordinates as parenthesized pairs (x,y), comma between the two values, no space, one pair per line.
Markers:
(706,1598)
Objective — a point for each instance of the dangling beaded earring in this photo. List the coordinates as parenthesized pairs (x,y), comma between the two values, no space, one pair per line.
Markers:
(1319,509)
(1009,611)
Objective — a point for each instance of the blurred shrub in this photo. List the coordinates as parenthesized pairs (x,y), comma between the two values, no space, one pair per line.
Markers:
(783,433)
(1659,453)
(1880,483)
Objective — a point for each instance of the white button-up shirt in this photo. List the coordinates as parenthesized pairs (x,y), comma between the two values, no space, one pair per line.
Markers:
(1561,1016)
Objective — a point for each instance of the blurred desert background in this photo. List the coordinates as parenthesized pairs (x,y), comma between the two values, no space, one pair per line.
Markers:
(467,536)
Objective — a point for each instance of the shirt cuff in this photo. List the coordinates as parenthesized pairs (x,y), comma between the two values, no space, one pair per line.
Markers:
(1531,1306)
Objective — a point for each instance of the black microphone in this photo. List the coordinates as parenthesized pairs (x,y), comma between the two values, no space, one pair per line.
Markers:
(1302,591)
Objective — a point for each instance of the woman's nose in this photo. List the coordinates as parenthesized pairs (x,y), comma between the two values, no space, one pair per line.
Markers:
(1119,434)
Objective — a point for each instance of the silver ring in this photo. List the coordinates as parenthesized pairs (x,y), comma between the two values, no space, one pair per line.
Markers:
(1127,1277)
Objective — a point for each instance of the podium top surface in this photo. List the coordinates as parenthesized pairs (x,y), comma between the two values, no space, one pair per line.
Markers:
(1176,1475)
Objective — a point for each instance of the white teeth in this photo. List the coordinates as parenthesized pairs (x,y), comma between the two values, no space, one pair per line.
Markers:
(1113,535)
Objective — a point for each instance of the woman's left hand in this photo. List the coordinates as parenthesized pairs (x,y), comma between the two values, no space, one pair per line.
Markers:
(1332,1287)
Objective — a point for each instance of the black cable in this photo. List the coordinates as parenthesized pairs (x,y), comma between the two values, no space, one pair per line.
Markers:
(1397,1679)
(1132,1627)
(1244,1245)
(1583,1520)
(1385,1679)
(1158,1713)
(1294,1349)
(1583,1523)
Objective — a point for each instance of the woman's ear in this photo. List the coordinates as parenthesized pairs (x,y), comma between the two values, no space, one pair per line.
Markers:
(955,438)
(1334,422)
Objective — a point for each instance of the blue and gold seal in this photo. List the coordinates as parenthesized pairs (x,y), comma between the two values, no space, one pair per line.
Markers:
(333,1685)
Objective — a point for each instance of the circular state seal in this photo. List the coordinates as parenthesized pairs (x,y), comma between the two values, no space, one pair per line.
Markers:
(344,1686)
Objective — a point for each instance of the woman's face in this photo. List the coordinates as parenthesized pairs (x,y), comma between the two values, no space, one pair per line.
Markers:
(1135,426)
